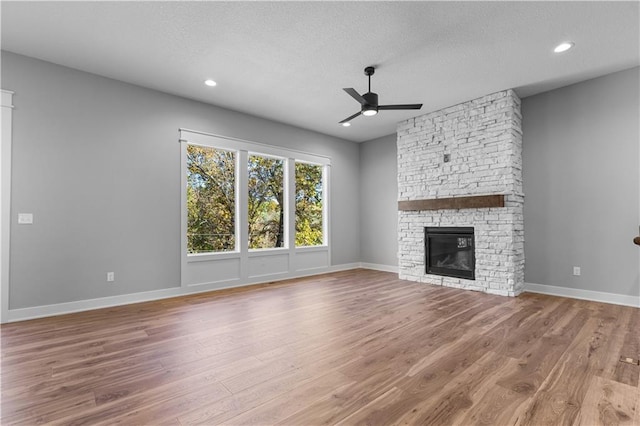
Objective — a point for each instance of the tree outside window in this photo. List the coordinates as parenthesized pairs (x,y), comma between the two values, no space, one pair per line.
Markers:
(210,200)
(309,204)
(265,202)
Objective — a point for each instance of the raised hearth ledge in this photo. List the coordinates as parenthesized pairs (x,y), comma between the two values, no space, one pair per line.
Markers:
(474,202)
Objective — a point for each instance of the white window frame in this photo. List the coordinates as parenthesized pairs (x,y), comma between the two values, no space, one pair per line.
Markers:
(244,265)
(285,188)
(325,229)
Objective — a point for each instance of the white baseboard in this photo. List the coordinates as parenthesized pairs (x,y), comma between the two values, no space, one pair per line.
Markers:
(90,304)
(126,299)
(148,296)
(343,267)
(378,267)
(575,293)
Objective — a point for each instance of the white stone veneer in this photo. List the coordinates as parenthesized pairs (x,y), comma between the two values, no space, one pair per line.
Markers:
(484,140)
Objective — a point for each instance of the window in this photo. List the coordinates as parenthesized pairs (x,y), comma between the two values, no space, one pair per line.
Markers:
(251,210)
(309,204)
(211,200)
(265,202)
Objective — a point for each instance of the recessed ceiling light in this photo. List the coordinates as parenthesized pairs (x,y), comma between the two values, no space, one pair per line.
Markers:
(210,83)
(564,46)
(347,124)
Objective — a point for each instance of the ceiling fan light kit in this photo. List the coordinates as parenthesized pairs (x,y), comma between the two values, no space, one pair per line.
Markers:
(369,100)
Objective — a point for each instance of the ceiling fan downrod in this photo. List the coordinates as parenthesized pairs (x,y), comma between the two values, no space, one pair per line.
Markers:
(369,71)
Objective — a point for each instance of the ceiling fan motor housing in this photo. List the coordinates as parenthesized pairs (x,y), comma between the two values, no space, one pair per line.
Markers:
(371,98)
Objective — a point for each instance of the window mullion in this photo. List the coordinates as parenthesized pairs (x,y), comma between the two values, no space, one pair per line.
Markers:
(242,211)
(291,205)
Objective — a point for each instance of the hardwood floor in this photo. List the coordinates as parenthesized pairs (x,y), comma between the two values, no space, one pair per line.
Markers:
(355,347)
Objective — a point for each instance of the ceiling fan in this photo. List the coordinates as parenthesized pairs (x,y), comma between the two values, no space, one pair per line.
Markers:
(369,101)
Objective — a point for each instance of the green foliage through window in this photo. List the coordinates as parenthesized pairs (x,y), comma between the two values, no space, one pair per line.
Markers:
(265,202)
(210,200)
(308,204)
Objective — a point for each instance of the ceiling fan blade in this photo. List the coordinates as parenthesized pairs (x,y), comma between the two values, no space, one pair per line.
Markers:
(405,106)
(352,117)
(355,95)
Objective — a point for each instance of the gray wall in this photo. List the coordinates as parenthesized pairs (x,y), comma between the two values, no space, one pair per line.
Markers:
(98,164)
(379,201)
(580,172)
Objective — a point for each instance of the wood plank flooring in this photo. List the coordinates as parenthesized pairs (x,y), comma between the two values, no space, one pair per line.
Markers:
(355,347)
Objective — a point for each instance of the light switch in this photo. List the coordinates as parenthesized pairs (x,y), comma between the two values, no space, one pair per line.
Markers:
(25,218)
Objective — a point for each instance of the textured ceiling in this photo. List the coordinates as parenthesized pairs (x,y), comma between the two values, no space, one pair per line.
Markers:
(288,61)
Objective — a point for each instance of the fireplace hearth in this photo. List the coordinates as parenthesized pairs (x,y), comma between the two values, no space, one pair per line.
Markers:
(450,251)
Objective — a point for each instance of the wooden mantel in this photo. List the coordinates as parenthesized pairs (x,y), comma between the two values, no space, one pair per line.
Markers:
(473,202)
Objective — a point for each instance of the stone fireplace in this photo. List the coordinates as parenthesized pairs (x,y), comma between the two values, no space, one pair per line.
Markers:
(460,171)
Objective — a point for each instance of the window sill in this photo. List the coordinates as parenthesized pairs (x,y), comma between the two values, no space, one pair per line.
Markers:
(312,248)
(204,257)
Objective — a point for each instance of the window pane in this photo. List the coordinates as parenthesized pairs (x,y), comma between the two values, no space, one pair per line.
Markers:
(308,204)
(265,203)
(211,200)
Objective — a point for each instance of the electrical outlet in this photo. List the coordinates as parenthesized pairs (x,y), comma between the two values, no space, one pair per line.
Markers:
(111,276)
(576,271)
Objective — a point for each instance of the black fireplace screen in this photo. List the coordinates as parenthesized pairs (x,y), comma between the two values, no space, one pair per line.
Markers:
(450,251)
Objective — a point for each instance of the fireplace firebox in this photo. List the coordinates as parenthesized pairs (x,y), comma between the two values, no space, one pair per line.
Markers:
(450,251)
